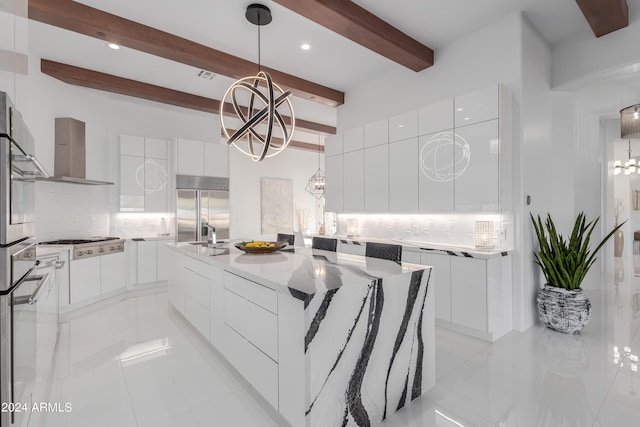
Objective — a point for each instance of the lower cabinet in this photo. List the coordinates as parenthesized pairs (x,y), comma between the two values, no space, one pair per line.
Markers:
(92,277)
(472,295)
(176,281)
(251,333)
(84,279)
(441,281)
(150,261)
(196,295)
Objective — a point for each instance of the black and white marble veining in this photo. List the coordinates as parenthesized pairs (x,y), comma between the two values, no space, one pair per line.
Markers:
(366,351)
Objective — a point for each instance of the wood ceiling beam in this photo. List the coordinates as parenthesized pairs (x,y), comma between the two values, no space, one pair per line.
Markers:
(316,148)
(361,26)
(605,16)
(92,22)
(109,83)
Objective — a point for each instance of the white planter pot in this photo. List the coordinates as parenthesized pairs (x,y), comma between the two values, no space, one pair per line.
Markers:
(563,310)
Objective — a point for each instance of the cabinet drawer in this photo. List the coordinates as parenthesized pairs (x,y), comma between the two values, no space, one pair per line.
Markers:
(197,315)
(260,371)
(257,325)
(197,287)
(252,291)
(196,266)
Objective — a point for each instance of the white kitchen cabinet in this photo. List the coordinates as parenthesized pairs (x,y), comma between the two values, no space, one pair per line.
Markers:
(202,158)
(436,173)
(131,192)
(477,186)
(155,148)
(436,117)
(216,159)
(196,301)
(177,278)
(376,133)
(132,145)
(216,306)
(162,256)
(190,157)
(334,183)
(469,293)
(147,261)
(354,181)
(113,272)
(440,281)
(144,174)
(84,279)
(403,126)
(403,176)
(131,249)
(353,139)
(478,106)
(376,179)
(333,145)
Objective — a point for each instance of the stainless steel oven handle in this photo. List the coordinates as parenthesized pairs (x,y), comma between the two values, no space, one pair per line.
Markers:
(36,294)
(31,159)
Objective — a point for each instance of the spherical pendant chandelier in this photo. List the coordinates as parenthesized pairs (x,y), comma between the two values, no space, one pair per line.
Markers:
(268,103)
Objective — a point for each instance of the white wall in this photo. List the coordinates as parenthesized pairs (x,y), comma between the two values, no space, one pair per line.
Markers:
(107,116)
(244,198)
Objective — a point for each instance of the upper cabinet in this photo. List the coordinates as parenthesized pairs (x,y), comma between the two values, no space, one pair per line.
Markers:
(403,126)
(333,145)
(144,174)
(443,157)
(353,140)
(376,133)
(476,107)
(436,117)
(202,158)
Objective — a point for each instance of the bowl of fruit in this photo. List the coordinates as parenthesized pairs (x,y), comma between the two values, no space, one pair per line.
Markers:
(260,247)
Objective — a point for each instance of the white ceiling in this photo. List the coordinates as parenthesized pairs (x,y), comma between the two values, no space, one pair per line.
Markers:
(332,61)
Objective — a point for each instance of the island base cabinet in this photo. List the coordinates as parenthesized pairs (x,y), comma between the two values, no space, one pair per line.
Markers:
(196,295)
(176,281)
(254,365)
(440,280)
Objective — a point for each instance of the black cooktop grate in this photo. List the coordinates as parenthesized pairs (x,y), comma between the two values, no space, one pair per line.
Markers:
(78,241)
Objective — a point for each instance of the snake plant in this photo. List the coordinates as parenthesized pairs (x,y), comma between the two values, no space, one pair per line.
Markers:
(565,263)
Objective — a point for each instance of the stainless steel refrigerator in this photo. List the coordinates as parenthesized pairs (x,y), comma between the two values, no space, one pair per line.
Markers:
(201,200)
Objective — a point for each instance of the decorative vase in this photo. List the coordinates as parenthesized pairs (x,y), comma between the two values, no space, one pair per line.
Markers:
(321,230)
(618,243)
(563,310)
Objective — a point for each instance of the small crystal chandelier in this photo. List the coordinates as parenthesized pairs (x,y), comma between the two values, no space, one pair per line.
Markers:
(255,137)
(315,184)
(629,129)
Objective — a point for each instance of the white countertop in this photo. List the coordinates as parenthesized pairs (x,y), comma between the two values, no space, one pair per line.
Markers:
(302,272)
(413,245)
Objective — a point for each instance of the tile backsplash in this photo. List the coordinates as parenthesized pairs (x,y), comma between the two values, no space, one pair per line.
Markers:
(71,211)
(440,229)
(142,224)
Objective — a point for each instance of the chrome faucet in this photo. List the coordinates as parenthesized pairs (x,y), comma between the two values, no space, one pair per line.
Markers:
(211,235)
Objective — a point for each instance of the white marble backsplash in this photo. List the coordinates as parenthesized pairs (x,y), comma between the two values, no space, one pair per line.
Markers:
(441,229)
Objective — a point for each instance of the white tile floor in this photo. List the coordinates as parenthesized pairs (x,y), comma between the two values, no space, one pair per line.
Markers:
(133,362)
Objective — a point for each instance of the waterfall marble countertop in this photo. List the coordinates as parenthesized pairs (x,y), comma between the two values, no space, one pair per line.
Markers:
(301,272)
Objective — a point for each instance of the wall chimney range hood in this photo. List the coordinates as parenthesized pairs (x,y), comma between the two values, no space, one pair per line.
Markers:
(70,153)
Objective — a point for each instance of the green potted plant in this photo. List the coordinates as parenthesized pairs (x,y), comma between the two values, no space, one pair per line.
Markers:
(565,263)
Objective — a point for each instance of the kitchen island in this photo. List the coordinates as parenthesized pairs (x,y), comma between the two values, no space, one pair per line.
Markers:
(327,339)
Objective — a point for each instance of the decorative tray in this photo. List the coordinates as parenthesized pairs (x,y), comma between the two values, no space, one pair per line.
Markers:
(260,247)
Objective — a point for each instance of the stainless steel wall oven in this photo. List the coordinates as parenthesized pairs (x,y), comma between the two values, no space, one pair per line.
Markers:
(20,285)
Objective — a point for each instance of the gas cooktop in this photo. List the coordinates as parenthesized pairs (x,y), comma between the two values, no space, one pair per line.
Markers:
(94,246)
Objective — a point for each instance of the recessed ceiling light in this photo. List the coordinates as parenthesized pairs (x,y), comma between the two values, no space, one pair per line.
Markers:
(459,109)
(114,46)
(466,118)
(305,46)
(400,126)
